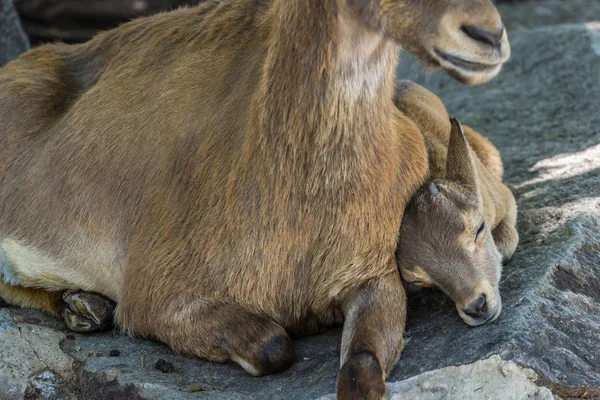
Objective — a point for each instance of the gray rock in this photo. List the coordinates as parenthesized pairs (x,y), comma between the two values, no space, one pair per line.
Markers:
(535,13)
(31,360)
(13,40)
(493,378)
(543,114)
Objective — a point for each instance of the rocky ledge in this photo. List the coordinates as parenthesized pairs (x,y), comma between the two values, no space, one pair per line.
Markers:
(543,114)
(13,40)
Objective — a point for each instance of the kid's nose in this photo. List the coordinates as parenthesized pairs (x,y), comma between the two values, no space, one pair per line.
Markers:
(477,309)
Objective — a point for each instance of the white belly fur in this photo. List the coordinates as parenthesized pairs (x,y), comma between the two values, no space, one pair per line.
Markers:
(30,267)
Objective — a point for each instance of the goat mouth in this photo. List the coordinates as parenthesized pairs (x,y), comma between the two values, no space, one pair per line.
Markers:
(462,64)
(494,316)
(478,322)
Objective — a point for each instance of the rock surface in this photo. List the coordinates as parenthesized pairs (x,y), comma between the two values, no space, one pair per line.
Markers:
(485,379)
(34,365)
(13,40)
(542,112)
(518,14)
(31,360)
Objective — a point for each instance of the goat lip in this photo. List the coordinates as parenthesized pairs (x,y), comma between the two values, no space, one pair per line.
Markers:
(494,316)
(478,322)
(463,64)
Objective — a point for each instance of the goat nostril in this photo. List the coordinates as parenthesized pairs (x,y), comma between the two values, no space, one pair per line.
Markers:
(481,304)
(478,309)
(482,35)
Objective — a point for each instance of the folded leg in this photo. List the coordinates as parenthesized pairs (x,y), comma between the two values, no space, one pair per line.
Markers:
(372,338)
(215,331)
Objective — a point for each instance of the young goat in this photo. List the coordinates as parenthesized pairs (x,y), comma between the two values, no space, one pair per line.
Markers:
(460,226)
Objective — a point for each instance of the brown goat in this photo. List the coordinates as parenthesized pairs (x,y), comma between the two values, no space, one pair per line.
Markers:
(220,172)
(460,226)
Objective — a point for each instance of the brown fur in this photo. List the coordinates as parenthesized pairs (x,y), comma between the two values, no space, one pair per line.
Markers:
(438,242)
(50,302)
(429,113)
(221,172)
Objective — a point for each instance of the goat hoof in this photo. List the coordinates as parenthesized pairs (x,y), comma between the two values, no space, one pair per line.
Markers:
(274,355)
(277,354)
(361,377)
(87,312)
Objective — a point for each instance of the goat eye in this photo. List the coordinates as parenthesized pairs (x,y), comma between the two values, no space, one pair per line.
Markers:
(480,231)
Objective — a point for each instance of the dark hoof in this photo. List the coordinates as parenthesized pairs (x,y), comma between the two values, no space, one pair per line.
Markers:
(87,312)
(269,357)
(361,377)
(277,354)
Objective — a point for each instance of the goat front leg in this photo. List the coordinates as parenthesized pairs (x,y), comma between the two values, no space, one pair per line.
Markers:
(505,233)
(372,339)
(215,331)
(81,311)
(506,238)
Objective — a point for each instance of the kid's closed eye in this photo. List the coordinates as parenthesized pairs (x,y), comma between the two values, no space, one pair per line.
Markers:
(480,231)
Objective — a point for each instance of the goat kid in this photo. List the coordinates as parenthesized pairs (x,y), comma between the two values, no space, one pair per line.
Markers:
(459,227)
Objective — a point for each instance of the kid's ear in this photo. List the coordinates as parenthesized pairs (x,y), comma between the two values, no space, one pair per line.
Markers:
(460,165)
